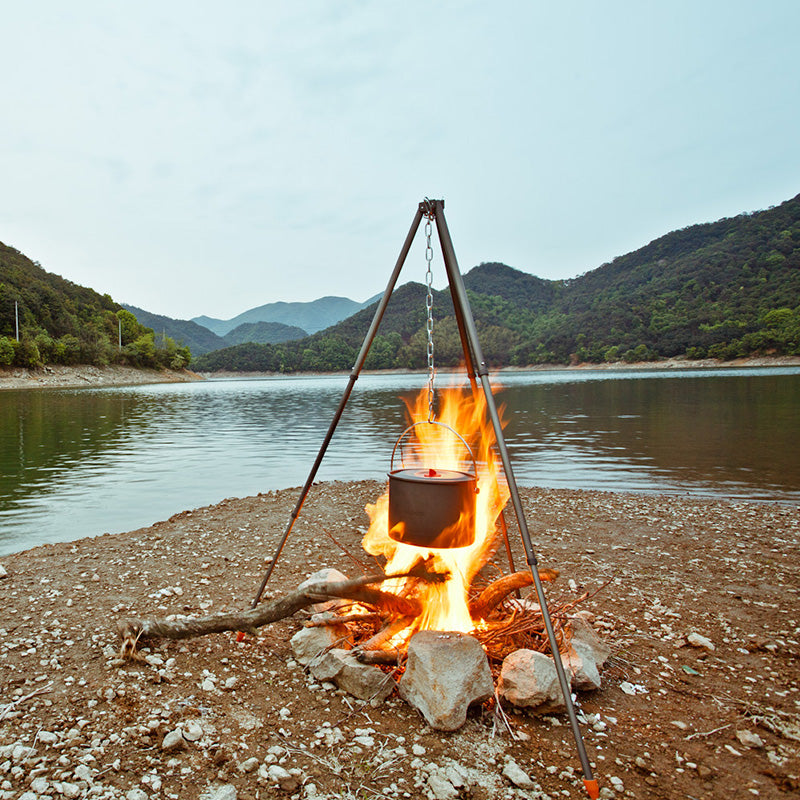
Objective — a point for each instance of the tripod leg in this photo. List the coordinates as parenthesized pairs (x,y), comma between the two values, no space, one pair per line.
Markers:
(354,373)
(460,298)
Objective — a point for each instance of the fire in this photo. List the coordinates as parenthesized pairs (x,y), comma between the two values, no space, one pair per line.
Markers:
(445,604)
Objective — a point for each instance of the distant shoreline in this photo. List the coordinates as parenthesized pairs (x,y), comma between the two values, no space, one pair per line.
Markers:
(82,376)
(57,376)
(617,366)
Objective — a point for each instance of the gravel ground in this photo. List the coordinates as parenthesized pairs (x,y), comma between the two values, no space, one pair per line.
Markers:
(215,718)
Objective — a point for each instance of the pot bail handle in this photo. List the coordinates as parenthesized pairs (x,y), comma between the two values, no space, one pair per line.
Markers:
(441,425)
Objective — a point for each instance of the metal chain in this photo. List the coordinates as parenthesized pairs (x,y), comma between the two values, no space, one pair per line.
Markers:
(429,309)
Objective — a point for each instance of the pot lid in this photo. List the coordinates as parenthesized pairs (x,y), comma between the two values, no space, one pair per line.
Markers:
(428,475)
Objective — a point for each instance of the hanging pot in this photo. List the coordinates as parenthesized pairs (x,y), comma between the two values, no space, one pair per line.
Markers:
(432,508)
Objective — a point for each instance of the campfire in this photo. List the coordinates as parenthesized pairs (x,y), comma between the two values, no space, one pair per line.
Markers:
(447,593)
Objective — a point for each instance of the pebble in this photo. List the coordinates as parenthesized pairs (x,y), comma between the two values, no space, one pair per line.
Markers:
(749,738)
(517,775)
(192,731)
(282,778)
(701,642)
(226,791)
(173,741)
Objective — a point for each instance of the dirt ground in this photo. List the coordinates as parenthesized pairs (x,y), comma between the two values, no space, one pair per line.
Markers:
(672,720)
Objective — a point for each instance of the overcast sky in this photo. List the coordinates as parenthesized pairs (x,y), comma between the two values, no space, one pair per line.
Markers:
(194,157)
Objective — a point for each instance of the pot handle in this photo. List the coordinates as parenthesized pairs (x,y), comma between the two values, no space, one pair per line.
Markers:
(441,425)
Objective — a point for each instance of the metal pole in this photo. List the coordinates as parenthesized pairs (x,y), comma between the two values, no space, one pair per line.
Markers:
(16,317)
(460,298)
(362,356)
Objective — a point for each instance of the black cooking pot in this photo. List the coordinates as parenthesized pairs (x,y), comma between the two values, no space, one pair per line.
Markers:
(432,507)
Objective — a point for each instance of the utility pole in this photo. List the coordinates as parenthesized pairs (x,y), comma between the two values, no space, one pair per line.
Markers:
(16,317)
(119,334)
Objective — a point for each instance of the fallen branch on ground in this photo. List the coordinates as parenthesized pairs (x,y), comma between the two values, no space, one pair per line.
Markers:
(360,589)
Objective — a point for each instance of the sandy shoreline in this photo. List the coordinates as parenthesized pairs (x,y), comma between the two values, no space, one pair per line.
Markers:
(701,723)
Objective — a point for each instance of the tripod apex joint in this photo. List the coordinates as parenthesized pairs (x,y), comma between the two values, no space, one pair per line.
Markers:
(428,206)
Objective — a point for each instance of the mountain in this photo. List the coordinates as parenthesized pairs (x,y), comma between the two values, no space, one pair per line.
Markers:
(312,316)
(63,323)
(723,290)
(200,340)
(263,333)
(197,338)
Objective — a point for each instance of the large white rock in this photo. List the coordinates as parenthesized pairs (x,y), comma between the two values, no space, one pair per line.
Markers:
(528,679)
(446,672)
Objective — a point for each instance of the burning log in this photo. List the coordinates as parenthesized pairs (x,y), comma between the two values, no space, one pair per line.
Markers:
(386,633)
(498,590)
(359,589)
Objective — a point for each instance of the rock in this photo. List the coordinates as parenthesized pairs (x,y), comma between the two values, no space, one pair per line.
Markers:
(326,575)
(456,774)
(446,672)
(749,738)
(39,785)
(593,645)
(3,572)
(310,643)
(282,778)
(440,788)
(250,765)
(173,741)
(135,794)
(361,680)
(581,667)
(192,731)
(528,679)
(696,640)
(83,773)
(224,791)
(517,775)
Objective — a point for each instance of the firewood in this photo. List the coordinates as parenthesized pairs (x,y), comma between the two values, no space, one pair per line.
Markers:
(498,590)
(386,633)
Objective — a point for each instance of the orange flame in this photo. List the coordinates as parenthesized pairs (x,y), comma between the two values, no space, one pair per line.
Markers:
(445,604)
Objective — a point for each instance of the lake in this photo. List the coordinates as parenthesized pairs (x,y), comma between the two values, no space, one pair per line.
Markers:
(81,462)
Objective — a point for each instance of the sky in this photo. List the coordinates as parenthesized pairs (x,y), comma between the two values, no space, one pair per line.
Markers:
(201,158)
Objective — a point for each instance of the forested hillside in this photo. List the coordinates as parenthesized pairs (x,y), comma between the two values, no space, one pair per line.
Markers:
(263,333)
(197,338)
(722,290)
(63,323)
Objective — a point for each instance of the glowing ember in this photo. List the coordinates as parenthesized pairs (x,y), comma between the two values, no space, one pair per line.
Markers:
(445,604)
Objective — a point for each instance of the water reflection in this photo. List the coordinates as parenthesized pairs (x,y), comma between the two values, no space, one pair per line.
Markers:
(81,462)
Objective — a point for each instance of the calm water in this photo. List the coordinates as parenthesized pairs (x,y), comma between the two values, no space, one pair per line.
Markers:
(82,462)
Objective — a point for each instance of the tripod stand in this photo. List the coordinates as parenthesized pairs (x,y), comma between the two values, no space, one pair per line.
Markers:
(479,380)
